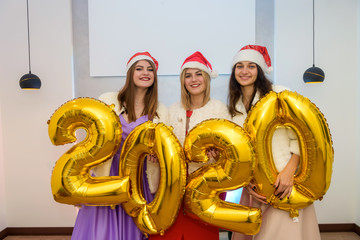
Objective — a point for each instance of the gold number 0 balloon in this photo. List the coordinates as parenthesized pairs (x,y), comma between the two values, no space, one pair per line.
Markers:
(313,176)
(233,170)
(158,139)
(71,182)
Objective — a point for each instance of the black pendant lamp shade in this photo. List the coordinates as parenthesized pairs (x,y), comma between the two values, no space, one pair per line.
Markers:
(29,80)
(314,74)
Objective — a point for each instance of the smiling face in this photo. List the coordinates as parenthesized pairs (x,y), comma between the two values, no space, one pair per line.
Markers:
(143,74)
(246,73)
(194,81)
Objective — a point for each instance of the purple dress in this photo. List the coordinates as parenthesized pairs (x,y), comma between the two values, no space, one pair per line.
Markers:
(104,223)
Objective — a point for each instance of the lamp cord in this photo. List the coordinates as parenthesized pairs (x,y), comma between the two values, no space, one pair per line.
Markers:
(28,32)
(313,33)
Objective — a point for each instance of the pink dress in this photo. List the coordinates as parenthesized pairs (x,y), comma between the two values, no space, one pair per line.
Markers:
(278,225)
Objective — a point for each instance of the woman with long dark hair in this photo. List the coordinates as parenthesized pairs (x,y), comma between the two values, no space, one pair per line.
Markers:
(248,84)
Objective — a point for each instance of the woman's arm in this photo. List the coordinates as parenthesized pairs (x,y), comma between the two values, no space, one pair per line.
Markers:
(285,180)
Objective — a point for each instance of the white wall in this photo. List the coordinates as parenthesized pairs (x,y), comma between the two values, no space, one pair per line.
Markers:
(3,216)
(336,42)
(358,120)
(28,154)
(110,22)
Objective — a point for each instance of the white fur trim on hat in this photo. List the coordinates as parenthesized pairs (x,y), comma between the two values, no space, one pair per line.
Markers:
(138,58)
(251,56)
(200,66)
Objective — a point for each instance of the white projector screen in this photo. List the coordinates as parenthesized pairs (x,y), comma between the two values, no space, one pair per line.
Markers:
(169,30)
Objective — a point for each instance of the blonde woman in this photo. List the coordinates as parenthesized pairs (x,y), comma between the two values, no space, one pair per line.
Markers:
(195,106)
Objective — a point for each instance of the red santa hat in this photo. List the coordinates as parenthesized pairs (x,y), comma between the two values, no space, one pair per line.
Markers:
(254,53)
(197,60)
(141,56)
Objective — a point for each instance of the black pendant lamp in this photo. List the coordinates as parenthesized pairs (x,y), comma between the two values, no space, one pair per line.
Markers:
(29,80)
(314,74)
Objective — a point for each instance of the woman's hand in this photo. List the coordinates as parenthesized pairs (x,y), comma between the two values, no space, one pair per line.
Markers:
(153,158)
(213,153)
(251,189)
(284,183)
(285,179)
(153,172)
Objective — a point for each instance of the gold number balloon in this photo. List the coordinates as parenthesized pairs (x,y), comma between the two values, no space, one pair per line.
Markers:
(313,176)
(232,170)
(157,139)
(71,182)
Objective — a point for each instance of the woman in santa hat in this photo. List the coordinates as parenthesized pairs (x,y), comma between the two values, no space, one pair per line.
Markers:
(195,106)
(248,84)
(136,103)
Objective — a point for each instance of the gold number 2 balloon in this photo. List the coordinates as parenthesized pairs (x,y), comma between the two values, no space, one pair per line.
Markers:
(232,170)
(71,182)
(157,139)
(313,176)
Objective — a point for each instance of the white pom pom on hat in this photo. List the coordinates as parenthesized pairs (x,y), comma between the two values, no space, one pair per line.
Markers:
(197,60)
(254,53)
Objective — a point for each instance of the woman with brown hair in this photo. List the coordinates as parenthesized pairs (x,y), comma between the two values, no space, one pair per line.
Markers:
(136,103)
(248,84)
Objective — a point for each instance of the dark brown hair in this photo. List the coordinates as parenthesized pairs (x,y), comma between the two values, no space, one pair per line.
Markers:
(126,95)
(262,84)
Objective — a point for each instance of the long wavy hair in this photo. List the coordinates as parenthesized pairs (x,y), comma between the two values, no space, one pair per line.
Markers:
(262,84)
(126,96)
(185,95)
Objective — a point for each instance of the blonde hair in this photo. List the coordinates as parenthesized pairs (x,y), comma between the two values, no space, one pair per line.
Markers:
(185,95)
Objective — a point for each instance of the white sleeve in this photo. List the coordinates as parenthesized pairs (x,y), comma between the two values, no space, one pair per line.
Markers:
(294,142)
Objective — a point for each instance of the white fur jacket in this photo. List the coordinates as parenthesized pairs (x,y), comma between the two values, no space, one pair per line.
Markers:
(104,169)
(177,119)
(284,141)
